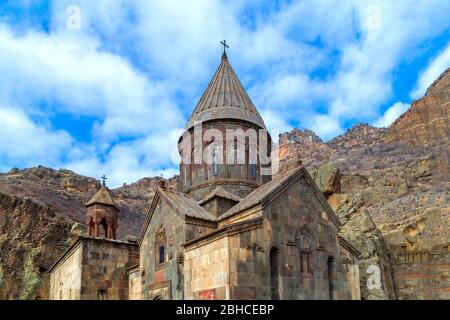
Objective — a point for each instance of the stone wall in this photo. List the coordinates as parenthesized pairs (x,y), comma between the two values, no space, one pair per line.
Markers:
(206,271)
(351,266)
(134,284)
(300,228)
(163,280)
(228,265)
(65,279)
(249,277)
(93,269)
(289,250)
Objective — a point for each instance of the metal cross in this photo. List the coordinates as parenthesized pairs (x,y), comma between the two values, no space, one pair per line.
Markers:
(103,177)
(225,46)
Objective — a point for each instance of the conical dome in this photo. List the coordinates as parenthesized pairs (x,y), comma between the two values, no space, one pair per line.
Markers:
(225,98)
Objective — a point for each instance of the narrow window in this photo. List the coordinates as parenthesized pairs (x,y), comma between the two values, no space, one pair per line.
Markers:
(331,280)
(215,164)
(185,176)
(161,254)
(253,170)
(305,262)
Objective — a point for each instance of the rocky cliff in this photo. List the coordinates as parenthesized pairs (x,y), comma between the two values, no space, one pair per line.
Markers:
(32,236)
(42,210)
(390,189)
(428,119)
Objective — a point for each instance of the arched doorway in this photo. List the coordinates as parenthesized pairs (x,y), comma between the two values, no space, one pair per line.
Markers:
(274,273)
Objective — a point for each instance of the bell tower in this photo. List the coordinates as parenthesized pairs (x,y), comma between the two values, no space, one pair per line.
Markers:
(102,214)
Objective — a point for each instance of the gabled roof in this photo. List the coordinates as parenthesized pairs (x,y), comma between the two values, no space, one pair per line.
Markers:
(186,205)
(268,191)
(258,195)
(220,192)
(183,204)
(225,98)
(102,197)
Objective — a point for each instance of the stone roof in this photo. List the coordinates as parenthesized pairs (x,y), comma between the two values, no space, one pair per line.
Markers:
(270,190)
(102,197)
(186,205)
(260,194)
(220,193)
(225,98)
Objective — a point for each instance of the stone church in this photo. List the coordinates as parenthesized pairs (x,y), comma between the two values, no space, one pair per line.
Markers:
(232,231)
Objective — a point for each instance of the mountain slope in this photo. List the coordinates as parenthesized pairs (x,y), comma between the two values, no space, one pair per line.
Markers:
(393,197)
(428,119)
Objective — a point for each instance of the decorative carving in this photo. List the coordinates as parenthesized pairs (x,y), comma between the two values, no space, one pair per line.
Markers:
(401,257)
(412,233)
(305,241)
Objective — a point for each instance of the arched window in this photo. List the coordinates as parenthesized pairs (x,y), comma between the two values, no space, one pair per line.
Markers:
(274,273)
(160,247)
(91,228)
(304,241)
(105,227)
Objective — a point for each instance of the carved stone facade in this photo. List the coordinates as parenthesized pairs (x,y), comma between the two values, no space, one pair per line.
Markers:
(234,233)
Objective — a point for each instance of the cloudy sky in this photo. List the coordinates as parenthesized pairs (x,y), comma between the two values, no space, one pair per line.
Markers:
(103,87)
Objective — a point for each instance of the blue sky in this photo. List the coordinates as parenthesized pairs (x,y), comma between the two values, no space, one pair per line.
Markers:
(111,96)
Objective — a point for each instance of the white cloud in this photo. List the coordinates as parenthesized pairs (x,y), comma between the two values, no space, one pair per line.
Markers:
(138,67)
(325,126)
(275,124)
(26,142)
(80,79)
(391,114)
(364,79)
(55,75)
(432,72)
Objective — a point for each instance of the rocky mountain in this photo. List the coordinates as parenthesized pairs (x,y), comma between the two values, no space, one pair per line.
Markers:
(41,212)
(389,188)
(428,119)
(32,236)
